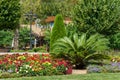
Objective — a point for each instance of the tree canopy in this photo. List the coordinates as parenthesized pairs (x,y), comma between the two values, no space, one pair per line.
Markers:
(9,14)
(97,16)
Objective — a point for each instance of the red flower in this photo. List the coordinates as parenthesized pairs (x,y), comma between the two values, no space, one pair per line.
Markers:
(5,60)
(69,70)
(45,54)
(1,62)
(10,62)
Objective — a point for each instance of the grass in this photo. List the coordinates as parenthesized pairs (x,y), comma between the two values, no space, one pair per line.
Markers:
(94,76)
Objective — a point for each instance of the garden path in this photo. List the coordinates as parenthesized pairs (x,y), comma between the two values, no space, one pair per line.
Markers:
(79,71)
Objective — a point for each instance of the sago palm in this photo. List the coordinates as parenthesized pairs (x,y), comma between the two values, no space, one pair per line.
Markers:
(81,49)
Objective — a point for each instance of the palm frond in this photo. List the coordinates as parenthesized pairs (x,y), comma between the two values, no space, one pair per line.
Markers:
(96,56)
(82,40)
(81,48)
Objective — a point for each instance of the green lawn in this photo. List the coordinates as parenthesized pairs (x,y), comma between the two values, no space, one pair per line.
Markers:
(97,76)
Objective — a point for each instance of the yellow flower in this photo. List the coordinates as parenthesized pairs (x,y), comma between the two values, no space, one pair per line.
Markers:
(46,63)
(21,57)
(14,61)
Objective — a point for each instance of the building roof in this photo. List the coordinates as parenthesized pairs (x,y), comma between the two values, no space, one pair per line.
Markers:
(52,18)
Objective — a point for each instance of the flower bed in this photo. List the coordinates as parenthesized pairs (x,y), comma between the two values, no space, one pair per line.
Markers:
(113,67)
(33,65)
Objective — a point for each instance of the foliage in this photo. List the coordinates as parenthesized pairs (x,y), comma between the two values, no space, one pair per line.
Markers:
(9,75)
(32,64)
(94,69)
(29,5)
(79,50)
(54,7)
(47,36)
(24,37)
(111,68)
(58,30)
(100,16)
(115,58)
(37,49)
(9,17)
(49,9)
(9,14)
(115,41)
(6,38)
(71,30)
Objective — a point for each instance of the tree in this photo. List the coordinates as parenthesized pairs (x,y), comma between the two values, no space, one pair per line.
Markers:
(49,8)
(58,30)
(9,17)
(79,50)
(9,14)
(93,16)
(54,7)
(29,5)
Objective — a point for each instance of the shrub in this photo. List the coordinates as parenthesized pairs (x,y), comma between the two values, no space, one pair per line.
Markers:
(99,16)
(37,49)
(115,59)
(24,37)
(8,75)
(58,30)
(107,68)
(6,38)
(93,69)
(79,50)
(115,41)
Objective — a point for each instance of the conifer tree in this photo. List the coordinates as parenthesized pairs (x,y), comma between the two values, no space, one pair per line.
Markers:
(58,30)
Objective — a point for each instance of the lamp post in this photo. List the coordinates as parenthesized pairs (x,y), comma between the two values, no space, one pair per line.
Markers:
(30,16)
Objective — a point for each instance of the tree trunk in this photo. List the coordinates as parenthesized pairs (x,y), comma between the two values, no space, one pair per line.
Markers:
(16,39)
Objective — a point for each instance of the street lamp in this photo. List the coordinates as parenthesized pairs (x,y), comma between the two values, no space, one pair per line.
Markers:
(30,16)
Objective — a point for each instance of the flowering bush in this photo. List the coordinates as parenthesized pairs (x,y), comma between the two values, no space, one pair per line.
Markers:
(112,67)
(115,59)
(93,69)
(33,64)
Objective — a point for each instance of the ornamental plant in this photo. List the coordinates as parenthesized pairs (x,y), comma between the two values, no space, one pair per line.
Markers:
(33,64)
(80,49)
(115,41)
(58,30)
(113,67)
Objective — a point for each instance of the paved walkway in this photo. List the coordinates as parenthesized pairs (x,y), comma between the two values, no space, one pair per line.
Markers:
(79,71)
